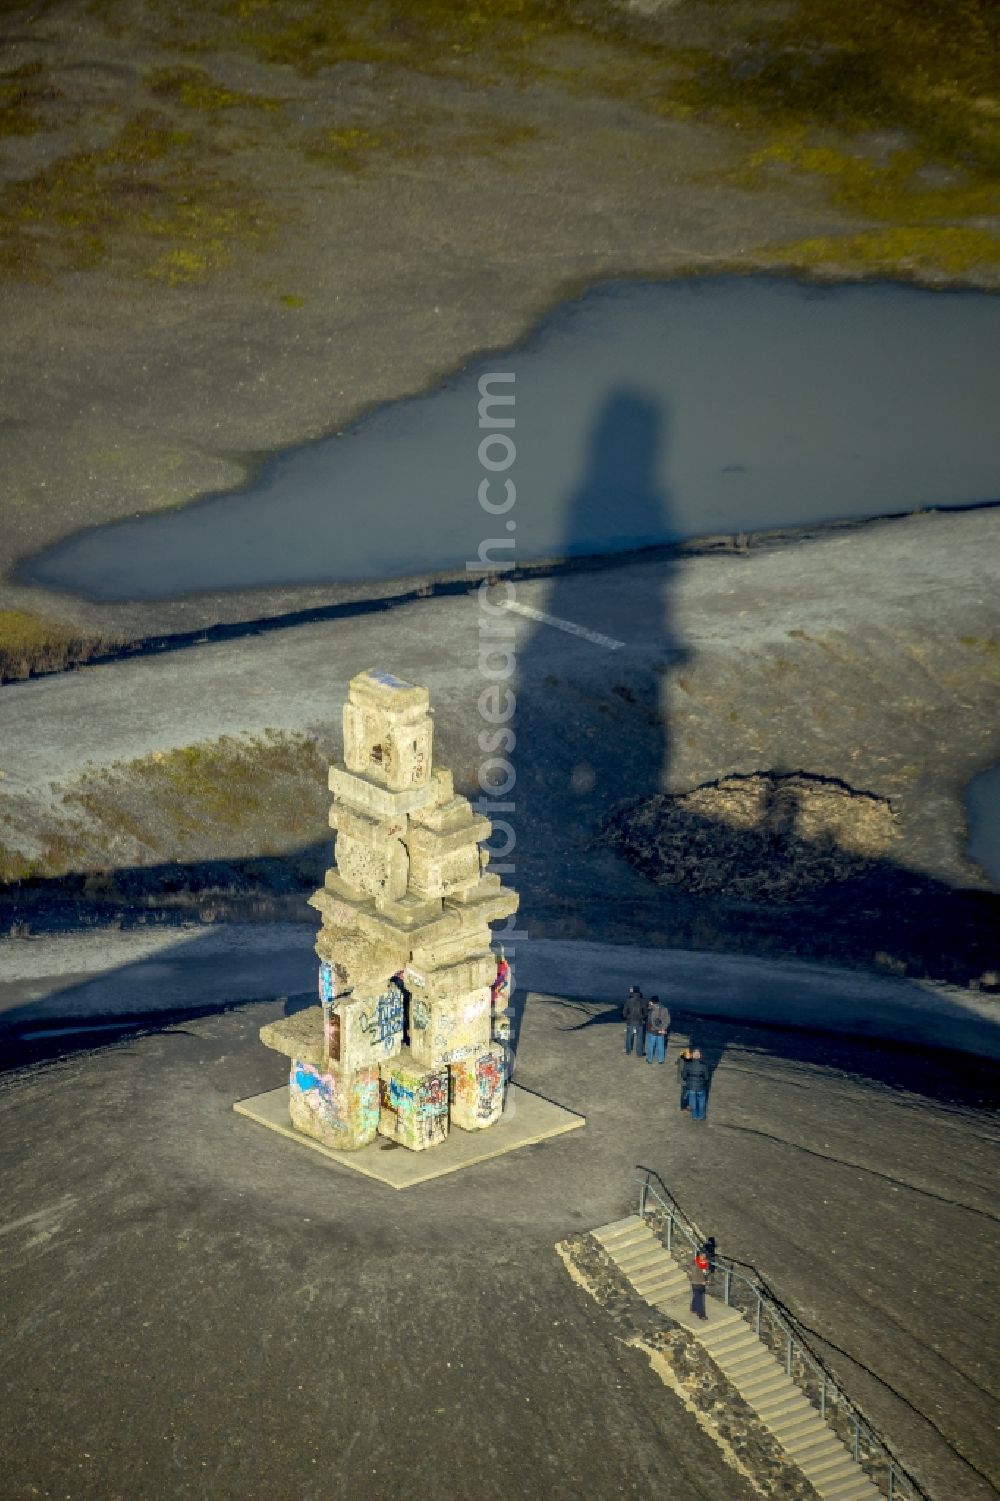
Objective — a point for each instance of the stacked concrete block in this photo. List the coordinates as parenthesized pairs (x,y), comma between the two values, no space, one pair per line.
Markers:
(414,1103)
(365,1028)
(446,1031)
(404,946)
(339,1107)
(388,731)
(341,1111)
(477,1089)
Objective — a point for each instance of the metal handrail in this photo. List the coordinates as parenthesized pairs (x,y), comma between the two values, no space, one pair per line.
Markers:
(899,1486)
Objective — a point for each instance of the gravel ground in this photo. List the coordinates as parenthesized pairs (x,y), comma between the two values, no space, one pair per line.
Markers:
(195,1307)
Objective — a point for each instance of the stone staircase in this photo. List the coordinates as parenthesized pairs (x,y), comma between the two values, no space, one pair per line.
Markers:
(744,1359)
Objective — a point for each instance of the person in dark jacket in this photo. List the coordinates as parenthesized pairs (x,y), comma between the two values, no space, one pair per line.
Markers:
(698,1276)
(682,1058)
(694,1076)
(657,1027)
(634,1013)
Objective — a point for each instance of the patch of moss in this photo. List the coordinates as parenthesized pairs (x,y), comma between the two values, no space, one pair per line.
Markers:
(344,146)
(917,250)
(22,97)
(195,89)
(928,68)
(428,35)
(151,184)
(896,190)
(415,136)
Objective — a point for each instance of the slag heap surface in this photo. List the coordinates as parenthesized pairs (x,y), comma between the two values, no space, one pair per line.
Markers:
(409,1037)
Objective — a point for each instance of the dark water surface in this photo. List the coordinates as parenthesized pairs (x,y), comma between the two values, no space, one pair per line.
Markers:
(982,805)
(644,413)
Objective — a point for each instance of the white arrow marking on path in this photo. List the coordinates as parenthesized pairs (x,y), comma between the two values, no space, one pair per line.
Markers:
(564,625)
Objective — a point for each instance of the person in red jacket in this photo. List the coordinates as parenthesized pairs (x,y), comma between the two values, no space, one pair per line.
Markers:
(698,1276)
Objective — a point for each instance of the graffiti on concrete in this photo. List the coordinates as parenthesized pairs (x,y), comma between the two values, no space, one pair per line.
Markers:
(489,1083)
(382,1022)
(327,1106)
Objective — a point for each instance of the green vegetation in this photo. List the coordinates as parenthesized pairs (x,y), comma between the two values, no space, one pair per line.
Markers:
(428,35)
(920,250)
(345,147)
(889,104)
(146,197)
(31,643)
(927,67)
(194,89)
(23,95)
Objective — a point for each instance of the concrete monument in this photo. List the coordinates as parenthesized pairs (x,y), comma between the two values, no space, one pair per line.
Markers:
(409,1037)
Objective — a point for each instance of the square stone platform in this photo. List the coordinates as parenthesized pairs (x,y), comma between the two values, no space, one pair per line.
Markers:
(527,1119)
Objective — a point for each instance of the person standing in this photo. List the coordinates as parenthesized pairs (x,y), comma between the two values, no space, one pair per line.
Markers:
(698,1276)
(657,1027)
(634,1014)
(694,1076)
(682,1058)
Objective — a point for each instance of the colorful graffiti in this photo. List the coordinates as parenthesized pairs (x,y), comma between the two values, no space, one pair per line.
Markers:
(327,988)
(477,1090)
(489,1083)
(500,1001)
(342,1113)
(415,1108)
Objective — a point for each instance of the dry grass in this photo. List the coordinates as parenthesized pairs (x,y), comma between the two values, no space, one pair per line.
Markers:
(231,799)
(31,644)
(222,796)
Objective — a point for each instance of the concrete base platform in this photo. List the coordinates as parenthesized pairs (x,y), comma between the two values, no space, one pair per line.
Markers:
(527,1119)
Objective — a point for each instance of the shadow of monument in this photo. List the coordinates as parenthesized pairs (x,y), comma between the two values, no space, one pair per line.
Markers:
(572,769)
(584,754)
(593,742)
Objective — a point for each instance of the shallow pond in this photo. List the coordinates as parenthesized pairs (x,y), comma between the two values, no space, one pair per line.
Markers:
(644,413)
(982,806)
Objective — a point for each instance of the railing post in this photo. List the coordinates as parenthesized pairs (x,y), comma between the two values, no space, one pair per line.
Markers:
(891,1487)
(729,1279)
(822,1399)
(642,1197)
(670,1228)
(759,1302)
(788,1357)
(857,1439)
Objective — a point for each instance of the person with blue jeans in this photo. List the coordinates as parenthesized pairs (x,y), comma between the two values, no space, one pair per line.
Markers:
(694,1076)
(634,1014)
(657,1027)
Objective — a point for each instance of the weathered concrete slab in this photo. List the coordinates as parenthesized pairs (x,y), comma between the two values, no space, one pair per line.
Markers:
(528,1119)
